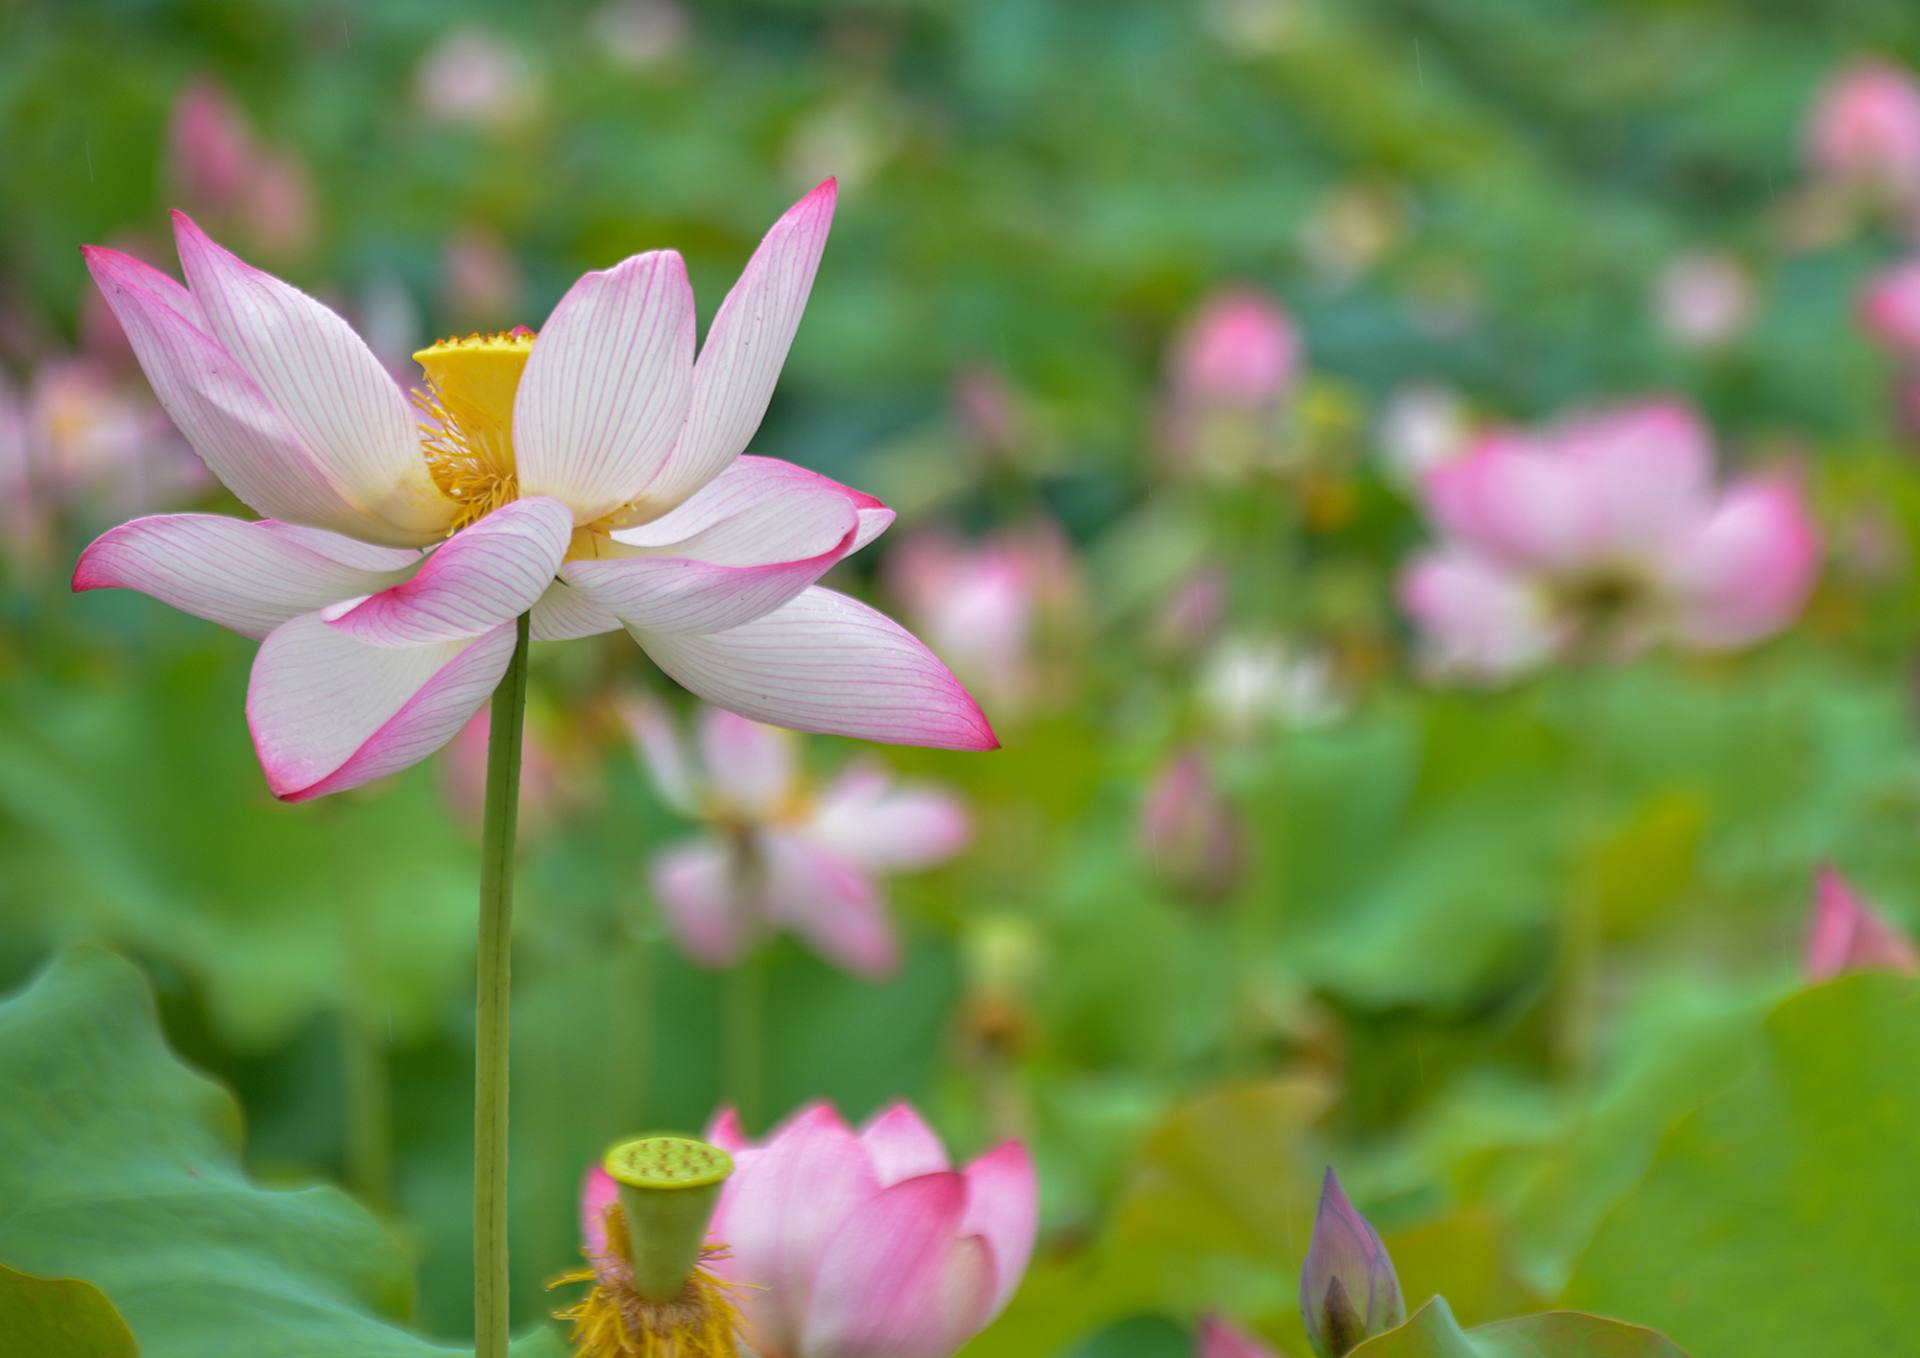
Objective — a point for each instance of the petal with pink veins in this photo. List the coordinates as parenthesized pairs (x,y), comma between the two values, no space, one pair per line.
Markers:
(563,613)
(238,432)
(901,1145)
(777,1214)
(329,712)
(1745,570)
(898,1279)
(748,482)
(862,816)
(702,901)
(605,388)
(826,663)
(831,903)
(1003,1208)
(745,349)
(248,577)
(663,753)
(328,386)
(488,573)
(738,569)
(749,765)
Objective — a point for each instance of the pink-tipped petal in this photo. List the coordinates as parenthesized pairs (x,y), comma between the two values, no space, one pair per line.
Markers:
(899,1280)
(1476,620)
(1003,1208)
(746,347)
(831,903)
(247,577)
(327,384)
(605,389)
(739,569)
(827,663)
(1647,468)
(747,483)
(563,613)
(663,753)
(778,1212)
(862,816)
(486,574)
(235,428)
(1514,501)
(726,1132)
(1220,1340)
(598,1192)
(1746,568)
(703,901)
(329,712)
(749,765)
(901,1145)
(1847,934)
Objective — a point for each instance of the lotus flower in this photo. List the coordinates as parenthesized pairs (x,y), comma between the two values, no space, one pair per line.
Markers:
(1217,1339)
(592,476)
(1847,934)
(1703,300)
(1190,832)
(861,1246)
(1603,534)
(222,171)
(1890,309)
(1348,1289)
(780,854)
(1864,130)
(1239,349)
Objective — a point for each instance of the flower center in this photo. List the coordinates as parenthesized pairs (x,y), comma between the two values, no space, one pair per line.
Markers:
(615,1320)
(467,439)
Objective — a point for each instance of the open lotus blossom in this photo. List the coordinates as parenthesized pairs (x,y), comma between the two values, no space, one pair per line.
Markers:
(592,475)
(782,854)
(867,1245)
(1218,1339)
(1847,934)
(1603,534)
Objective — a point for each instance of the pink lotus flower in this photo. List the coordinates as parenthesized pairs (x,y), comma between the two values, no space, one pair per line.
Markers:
(781,855)
(543,782)
(221,170)
(1217,1339)
(1704,299)
(1604,533)
(1239,349)
(1864,130)
(1189,831)
(1890,309)
(1847,934)
(861,1246)
(593,477)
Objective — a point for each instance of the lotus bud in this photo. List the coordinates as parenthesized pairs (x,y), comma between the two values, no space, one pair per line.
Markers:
(1190,832)
(1847,934)
(1348,1289)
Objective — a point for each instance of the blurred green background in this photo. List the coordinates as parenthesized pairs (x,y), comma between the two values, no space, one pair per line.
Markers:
(1393,976)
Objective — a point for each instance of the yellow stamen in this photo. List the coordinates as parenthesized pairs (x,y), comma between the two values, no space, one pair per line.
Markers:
(615,1321)
(468,401)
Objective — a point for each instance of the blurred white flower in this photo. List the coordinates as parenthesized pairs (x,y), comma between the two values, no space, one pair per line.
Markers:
(474,77)
(1703,299)
(1249,685)
(1422,425)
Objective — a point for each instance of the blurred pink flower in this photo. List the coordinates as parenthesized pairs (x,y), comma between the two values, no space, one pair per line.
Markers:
(866,1245)
(80,439)
(464,776)
(480,280)
(473,76)
(1890,309)
(984,604)
(1190,832)
(780,854)
(1603,534)
(989,411)
(593,477)
(1703,299)
(1847,934)
(1217,1339)
(1348,1288)
(221,171)
(1240,350)
(1864,130)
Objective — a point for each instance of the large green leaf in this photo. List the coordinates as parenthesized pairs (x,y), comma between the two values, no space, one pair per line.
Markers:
(121,1166)
(1779,1217)
(62,1316)
(1432,1332)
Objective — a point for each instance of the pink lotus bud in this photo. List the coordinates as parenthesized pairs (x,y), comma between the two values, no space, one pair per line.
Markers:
(1847,934)
(1865,127)
(471,76)
(1890,308)
(1190,832)
(1239,350)
(211,147)
(1218,1339)
(1348,1289)
(1703,300)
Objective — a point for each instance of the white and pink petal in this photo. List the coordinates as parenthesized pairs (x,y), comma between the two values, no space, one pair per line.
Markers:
(833,904)
(703,901)
(1003,1208)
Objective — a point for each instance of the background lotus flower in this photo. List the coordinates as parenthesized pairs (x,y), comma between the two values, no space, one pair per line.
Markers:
(593,478)
(222,172)
(1890,309)
(1189,831)
(1703,299)
(1603,534)
(1423,425)
(1348,1289)
(1864,129)
(1249,686)
(864,1245)
(1217,1339)
(1239,349)
(781,854)
(1847,934)
(474,77)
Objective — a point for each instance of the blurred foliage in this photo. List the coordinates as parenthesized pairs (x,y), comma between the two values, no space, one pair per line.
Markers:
(1646,1122)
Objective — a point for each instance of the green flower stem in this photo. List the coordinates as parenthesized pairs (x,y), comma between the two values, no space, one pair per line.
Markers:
(745,1031)
(490,1006)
